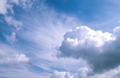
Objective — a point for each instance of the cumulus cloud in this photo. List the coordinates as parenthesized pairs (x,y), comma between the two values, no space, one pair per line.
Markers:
(84,72)
(100,49)
(61,75)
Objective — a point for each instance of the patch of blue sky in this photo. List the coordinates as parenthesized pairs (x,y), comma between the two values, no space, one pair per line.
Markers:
(91,12)
(4,29)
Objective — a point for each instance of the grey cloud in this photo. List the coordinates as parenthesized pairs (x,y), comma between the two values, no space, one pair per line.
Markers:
(84,73)
(100,49)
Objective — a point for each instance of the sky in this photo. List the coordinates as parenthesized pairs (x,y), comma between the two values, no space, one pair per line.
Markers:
(59,39)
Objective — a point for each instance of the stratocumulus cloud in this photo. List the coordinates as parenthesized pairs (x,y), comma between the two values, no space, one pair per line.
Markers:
(100,49)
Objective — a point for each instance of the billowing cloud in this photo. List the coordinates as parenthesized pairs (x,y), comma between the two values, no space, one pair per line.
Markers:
(84,73)
(100,49)
(61,75)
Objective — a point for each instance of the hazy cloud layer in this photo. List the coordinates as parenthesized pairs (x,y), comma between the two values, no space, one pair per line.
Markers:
(100,49)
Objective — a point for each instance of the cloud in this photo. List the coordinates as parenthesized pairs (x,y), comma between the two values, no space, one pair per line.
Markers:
(11,21)
(9,57)
(26,4)
(3,6)
(13,59)
(84,73)
(48,29)
(60,75)
(23,73)
(11,38)
(6,5)
(99,49)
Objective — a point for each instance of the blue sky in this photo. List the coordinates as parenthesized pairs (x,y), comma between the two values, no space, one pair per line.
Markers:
(59,38)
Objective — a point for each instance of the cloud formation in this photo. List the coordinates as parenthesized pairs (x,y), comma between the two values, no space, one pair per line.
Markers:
(61,75)
(3,7)
(11,38)
(83,73)
(11,21)
(6,5)
(10,58)
(100,49)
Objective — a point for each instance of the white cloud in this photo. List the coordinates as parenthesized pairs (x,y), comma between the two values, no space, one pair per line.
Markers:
(23,73)
(13,59)
(11,38)
(23,3)
(117,32)
(90,45)
(9,57)
(61,75)
(44,32)
(6,5)
(11,21)
(10,7)
(84,72)
(3,6)
(15,1)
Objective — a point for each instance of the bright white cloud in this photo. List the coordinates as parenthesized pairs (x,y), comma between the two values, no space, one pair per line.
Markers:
(90,45)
